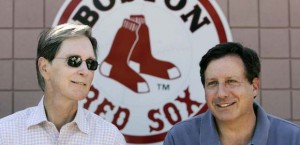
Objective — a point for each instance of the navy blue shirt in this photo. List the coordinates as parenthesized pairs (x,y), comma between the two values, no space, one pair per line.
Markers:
(201,130)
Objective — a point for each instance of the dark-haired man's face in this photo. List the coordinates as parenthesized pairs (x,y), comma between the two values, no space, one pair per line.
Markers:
(229,95)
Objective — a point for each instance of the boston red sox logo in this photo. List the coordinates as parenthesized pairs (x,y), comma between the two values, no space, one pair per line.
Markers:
(149,50)
(131,53)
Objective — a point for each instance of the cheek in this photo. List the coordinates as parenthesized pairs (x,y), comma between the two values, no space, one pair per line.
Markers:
(62,79)
(91,76)
(64,75)
(209,96)
(243,95)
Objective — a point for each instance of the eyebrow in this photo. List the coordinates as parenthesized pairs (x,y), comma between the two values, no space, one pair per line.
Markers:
(230,77)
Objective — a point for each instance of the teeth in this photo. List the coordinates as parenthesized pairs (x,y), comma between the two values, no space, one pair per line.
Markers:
(224,105)
(79,83)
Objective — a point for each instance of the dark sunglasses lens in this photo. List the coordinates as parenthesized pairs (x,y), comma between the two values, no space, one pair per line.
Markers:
(74,61)
(91,64)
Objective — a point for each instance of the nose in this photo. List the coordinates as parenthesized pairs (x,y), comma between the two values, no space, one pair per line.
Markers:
(83,70)
(222,91)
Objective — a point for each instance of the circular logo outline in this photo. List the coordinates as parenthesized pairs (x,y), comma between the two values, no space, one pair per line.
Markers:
(222,34)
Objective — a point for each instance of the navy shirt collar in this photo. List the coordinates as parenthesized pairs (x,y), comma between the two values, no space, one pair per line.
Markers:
(262,127)
(209,134)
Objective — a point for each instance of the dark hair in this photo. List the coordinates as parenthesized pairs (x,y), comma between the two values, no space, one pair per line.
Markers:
(51,40)
(248,56)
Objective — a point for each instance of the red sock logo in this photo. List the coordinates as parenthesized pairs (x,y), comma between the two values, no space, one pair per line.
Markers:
(131,54)
(115,65)
(142,55)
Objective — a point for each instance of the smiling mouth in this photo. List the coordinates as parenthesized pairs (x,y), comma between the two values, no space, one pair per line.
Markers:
(79,83)
(224,105)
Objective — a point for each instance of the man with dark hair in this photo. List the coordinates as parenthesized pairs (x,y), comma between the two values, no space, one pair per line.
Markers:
(65,65)
(230,77)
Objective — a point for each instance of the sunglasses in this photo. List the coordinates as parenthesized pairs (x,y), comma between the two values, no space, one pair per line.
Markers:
(75,61)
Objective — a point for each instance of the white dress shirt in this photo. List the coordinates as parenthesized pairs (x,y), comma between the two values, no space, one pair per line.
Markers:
(31,127)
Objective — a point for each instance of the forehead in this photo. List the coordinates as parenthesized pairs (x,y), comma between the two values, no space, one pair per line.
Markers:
(76,46)
(227,66)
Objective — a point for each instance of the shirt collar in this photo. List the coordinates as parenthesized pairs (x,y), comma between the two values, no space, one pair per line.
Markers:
(81,120)
(262,126)
(38,116)
(210,135)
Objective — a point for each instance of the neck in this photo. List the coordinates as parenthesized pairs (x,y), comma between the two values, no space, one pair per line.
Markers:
(237,132)
(59,112)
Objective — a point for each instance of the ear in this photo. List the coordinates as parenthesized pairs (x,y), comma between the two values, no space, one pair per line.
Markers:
(256,85)
(43,65)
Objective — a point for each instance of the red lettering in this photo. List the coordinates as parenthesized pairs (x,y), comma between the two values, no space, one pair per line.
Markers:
(188,102)
(157,120)
(117,117)
(100,108)
(167,108)
(90,100)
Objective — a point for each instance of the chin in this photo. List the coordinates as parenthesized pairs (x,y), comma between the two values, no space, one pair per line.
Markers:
(82,97)
(225,117)
(79,95)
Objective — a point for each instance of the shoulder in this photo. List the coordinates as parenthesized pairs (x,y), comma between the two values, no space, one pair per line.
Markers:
(282,131)
(99,122)
(186,132)
(13,125)
(102,129)
(18,117)
(101,126)
(188,125)
(282,124)
(283,128)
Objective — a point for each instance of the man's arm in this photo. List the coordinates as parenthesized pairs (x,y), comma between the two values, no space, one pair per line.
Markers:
(119,139)
(169,140)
